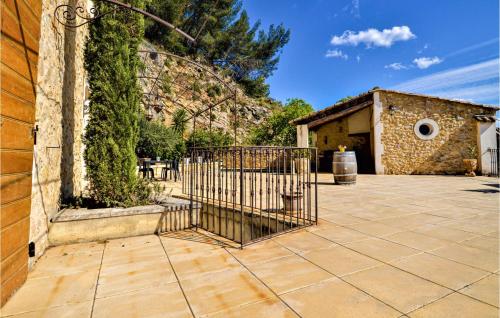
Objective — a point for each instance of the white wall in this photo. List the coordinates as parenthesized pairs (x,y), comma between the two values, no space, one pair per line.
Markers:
(486,140)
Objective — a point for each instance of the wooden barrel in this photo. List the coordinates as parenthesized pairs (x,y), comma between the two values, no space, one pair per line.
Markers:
(345,168)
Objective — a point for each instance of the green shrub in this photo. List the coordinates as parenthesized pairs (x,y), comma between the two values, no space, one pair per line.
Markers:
(156,140)
(205,138)
(276,130)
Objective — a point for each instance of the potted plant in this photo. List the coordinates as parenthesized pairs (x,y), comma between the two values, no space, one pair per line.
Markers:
(292,202)
(470,162)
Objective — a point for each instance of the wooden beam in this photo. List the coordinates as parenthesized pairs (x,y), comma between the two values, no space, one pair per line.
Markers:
(332,117)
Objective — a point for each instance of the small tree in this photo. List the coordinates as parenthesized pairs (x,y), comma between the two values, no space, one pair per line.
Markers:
(179,121)
(276,130)
(112,62)
(156,140)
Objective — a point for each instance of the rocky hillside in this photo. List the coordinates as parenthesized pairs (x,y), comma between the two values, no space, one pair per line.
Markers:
(170,83)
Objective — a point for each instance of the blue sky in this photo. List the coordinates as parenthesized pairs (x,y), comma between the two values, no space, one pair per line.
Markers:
(337,48)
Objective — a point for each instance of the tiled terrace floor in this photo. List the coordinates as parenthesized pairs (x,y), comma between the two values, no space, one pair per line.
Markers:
(420,246)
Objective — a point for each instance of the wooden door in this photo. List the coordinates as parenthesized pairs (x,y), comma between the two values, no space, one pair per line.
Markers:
(19,57)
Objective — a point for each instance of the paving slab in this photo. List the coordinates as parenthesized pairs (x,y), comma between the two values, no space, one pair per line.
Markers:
(401,290)
(456,305)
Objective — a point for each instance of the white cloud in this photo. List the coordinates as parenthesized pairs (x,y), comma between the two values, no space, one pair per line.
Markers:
(473,47)
(477,82)
(358,58)
(426,46)
(337,54)
(374,37)
(353,8)
(426,62)
(396,66)
(479,93)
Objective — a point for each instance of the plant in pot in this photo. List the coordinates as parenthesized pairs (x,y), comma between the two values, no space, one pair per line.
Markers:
(470,162)
(292,202)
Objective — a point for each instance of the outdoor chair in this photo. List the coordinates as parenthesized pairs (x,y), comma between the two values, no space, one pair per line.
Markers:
(171,167)
(145,168)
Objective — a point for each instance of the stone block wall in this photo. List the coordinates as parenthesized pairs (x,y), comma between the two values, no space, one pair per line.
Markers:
(336,133)
(405,153)
(58,157)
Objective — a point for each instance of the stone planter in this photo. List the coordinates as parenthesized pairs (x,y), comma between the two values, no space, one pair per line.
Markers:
(470,167)
(301,165)
(292,203)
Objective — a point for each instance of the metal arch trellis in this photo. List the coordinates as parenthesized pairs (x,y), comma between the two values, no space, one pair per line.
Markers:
(231,91)
(246,182)
(75,15)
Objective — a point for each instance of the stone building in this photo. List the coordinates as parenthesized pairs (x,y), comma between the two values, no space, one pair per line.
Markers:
(402,133)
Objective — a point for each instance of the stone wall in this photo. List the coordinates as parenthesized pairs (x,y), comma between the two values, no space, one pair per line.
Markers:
(405,153)
(336,133)
(58,159)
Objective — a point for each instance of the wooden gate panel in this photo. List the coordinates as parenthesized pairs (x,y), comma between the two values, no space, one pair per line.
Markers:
(20,22)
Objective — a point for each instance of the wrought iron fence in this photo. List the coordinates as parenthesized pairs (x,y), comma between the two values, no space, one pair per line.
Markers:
(495,159)
(252,193)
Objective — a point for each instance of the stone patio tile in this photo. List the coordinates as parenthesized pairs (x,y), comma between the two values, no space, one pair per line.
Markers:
(191,265)
(341,219)
(122,278)
(340,234)
(76,310)
(127,255)
(382,250)
(416,240)
(85,248)
(302,241)
(134,241)
(260,252)
(444,233)
(335,298)
(271,307)
(288,273)
(41,293)
(472,225)
(458,306)
(340,260)
(439,270)
(456,213)
(485,290)
(166,301)
(483,242)
(375,229)
(470,256)
(413,220)
(66,264)
(182,242)
(220,291)
(401,290)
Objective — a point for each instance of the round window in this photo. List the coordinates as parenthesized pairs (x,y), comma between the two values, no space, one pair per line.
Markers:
(426,129)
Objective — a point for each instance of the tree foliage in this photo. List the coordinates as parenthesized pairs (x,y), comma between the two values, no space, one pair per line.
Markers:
(224,36)
(277,130)
(205,138)
(179,121)
(157,140)
(112,61)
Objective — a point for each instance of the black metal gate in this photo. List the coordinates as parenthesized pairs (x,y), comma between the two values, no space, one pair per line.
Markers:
(247,194)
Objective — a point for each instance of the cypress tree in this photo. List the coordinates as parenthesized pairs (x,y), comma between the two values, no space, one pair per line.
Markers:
(112,63)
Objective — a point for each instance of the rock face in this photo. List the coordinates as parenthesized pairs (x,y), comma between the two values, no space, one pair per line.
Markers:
(170,83)
(406,153)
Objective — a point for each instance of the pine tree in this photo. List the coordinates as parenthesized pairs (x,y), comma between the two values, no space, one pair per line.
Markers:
(224,38)
(112,62)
